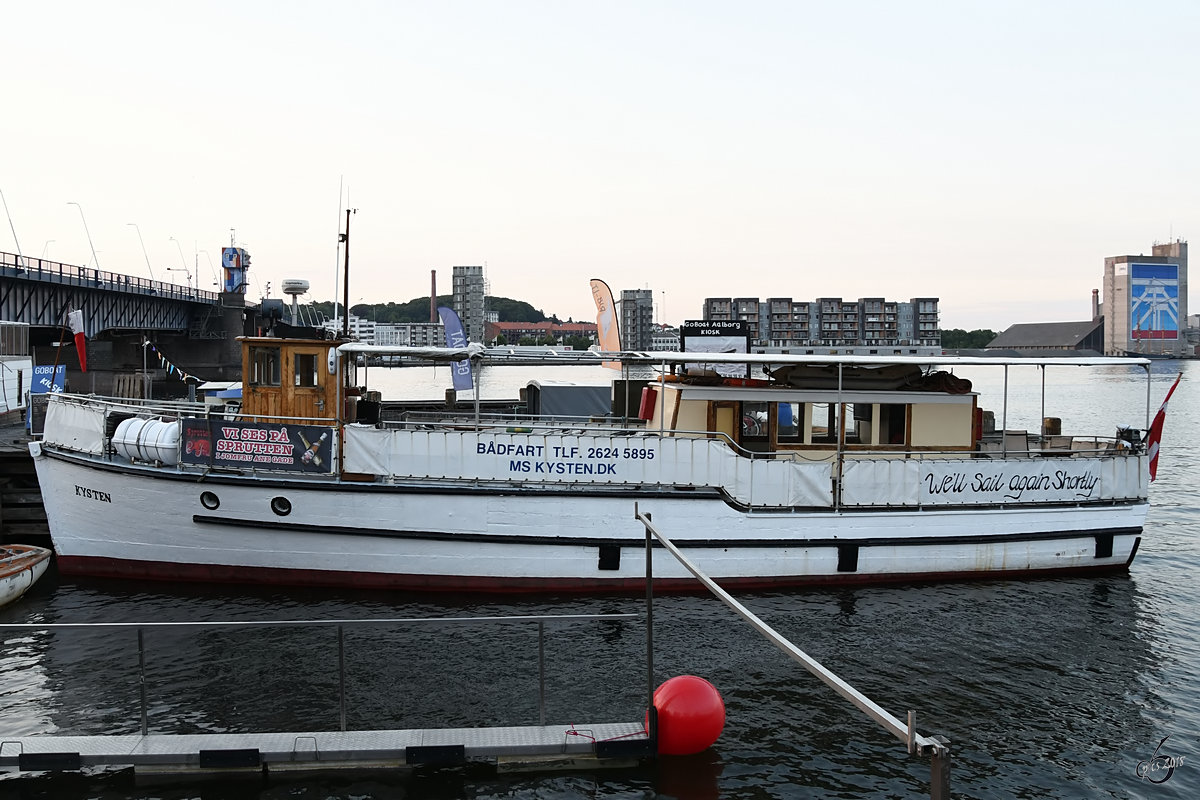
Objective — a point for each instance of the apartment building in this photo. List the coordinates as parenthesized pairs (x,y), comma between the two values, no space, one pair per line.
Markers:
(637,319)
(780,323)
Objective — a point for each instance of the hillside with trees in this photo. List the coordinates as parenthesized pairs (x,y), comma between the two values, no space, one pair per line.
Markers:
(417,310)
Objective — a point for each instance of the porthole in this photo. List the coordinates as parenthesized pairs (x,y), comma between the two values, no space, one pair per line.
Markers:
(281,506)
(210,501)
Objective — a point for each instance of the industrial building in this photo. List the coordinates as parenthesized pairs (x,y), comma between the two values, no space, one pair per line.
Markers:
(1079,338)
(1145,303)
(1144,313)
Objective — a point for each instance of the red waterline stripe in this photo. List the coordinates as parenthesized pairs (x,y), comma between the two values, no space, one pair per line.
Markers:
(277,576)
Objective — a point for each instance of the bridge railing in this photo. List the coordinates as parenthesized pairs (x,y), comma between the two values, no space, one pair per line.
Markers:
(39,269)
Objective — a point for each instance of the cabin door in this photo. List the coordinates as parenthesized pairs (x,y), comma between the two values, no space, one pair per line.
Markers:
(308,383)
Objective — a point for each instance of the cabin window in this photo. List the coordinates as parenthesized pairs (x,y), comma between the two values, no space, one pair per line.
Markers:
(791,423)
(264,366)
(755,426)
(892,418)
(306,370)
(824,423)
(754,420)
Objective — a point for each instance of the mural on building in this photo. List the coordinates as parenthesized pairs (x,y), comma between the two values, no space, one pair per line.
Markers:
(1154,301)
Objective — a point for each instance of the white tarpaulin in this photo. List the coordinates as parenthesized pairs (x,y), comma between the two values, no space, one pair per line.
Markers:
(932,482)
(575,458)
(74,426)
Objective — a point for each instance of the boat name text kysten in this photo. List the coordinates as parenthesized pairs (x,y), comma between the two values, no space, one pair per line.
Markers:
(92,494)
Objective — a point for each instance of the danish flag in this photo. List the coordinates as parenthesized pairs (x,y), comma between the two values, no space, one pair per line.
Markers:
(1155,434)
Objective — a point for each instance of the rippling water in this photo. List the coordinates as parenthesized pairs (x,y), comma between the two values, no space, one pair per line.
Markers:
(1051,688)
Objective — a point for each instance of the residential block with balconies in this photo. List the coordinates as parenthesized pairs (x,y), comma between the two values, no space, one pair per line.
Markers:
(834,324)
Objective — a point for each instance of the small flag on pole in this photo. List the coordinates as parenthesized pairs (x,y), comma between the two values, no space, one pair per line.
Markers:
(75,320)
(1155,434)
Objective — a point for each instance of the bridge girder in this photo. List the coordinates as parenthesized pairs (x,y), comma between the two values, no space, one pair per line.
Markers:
(41,293)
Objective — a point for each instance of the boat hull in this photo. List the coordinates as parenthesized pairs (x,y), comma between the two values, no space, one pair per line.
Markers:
(126,521)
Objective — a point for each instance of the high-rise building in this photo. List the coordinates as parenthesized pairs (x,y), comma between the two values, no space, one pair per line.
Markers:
(470,289)
(637,319)
(1145,302)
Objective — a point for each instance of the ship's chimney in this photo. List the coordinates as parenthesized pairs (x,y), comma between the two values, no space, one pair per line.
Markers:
(1095,304)
(433,315)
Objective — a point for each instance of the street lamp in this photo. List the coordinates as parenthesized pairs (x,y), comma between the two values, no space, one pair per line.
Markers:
(85,230)
(216,280)
(186,273)
(11,226)
(46,248)
(144,254)
(182,261)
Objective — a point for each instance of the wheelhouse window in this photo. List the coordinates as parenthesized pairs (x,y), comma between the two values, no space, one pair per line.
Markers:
(307,375)
(265,366)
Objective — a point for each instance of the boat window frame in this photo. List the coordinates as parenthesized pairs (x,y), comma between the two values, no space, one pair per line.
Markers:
(265,359)
(311,364)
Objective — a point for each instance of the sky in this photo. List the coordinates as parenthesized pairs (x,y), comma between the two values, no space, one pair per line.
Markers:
(990,154)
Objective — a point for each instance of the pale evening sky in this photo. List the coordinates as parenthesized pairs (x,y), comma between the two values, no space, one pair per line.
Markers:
(990,154)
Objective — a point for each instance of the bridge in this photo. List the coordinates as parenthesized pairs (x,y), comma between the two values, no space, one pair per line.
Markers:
(121,315)
(41,292)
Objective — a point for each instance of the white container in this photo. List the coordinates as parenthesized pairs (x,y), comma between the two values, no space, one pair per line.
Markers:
(148,440)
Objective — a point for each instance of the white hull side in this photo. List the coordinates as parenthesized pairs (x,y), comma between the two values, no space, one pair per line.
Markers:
(142,522)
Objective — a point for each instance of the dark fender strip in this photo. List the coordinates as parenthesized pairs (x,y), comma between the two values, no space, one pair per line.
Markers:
(639,542)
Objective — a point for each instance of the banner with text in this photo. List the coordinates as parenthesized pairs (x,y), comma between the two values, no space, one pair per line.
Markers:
(301,448)
(455,337)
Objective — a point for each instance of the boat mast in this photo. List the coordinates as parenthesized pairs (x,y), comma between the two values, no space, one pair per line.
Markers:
(345,239)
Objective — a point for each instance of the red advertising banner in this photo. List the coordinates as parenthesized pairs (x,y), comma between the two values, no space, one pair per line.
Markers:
(217,442)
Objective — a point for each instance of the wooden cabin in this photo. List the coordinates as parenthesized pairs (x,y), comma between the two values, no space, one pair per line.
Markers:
(290,379)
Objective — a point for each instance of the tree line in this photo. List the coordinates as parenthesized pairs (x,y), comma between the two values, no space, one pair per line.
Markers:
(417,310)
(959,339)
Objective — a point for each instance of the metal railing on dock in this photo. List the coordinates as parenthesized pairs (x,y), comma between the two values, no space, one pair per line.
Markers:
(935,746)
(193,754)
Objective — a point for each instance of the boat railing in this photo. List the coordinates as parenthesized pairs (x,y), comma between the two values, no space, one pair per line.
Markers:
(937,747)
(340,626)
(136,405)
(524,422)
(184,409)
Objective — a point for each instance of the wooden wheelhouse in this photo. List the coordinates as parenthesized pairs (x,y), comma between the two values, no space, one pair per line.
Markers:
(290,379)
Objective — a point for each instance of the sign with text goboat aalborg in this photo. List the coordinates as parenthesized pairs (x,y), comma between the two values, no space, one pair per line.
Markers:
(299,448)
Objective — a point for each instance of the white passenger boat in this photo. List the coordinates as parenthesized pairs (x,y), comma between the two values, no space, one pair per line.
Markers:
(832,469)
(20,567)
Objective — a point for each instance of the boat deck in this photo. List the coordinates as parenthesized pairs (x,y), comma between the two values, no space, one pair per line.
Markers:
(222,753)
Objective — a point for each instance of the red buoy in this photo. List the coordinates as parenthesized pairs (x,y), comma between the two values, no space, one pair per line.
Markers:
(691,715)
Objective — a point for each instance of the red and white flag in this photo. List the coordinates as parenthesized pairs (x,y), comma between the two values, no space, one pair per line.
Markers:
(1155,434)
(75,320)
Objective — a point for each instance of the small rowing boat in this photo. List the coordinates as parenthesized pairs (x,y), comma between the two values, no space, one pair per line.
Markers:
(20,567)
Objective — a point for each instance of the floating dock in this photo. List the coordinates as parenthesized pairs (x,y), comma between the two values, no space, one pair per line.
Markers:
(226,754)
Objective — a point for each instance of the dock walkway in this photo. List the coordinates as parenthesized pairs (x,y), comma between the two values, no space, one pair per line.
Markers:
(325,750)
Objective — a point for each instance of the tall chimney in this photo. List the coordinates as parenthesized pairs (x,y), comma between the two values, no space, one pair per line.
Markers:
(1095,304)
(433,315)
